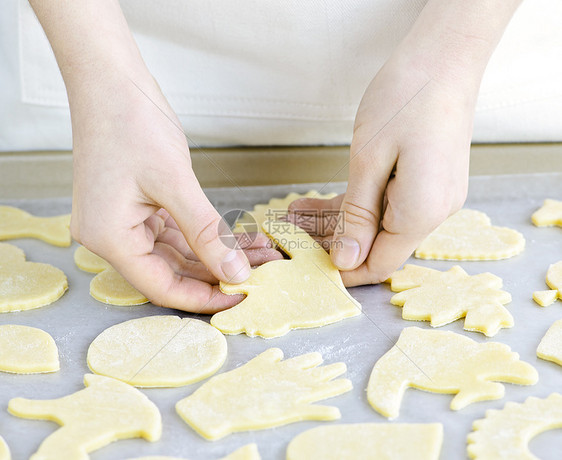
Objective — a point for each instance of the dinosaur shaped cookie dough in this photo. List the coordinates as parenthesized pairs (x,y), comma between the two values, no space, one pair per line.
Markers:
(105,411)
(27,285)
(549,214)
(444,362)
(364,441)
(158,351)
(554,282)
(469,235)
(108,286)
(248,452)
(305,291)
(443,297)
(27,350)
(505,434)
(15,223)
(263,393)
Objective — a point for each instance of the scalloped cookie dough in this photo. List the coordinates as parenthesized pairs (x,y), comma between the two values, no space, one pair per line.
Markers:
(365,441)
(27,285)
(105,411)
(470,235)
(248,452)
(27,350)
(505,434)
(444,362)
(4,450)
(16,223)
(550,346)
(303,292)
(265,392)
(158,351)
(443,297)
(108,286)
(549,214)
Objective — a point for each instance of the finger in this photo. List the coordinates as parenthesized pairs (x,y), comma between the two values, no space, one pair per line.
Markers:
(175,239)
(329,372)
(304,361)
(313,205)
(182,266)
(316,216)
(316,412)
(260,256)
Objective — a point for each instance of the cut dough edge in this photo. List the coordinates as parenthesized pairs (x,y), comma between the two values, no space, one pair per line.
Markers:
(247,452)
(27,350)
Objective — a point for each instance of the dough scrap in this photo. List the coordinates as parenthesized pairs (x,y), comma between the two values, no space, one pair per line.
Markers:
(369,441)
(108,286)
(16,223)
(27,350)
(549,214)
(4,450)
(443,297)
(158,351)
(545,298)
(444,362)
(505,434)
(305,291)
(554,282)
(550,347)
(263,393)
(469,235)
(248,452)
(27,285)
(105,411)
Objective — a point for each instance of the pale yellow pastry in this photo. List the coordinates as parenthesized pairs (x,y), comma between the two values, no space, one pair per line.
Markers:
(546,297)
(106,411)
(27,285)
(248,452)
(469,235)
(158,351)
(444,362)
(443,297)
(554,282)
(4,450)
(15,223)
(549,214)
(505,434)
(265,392)
(88,261)
(305,291)
(27,350)
(550,347)
(369,441)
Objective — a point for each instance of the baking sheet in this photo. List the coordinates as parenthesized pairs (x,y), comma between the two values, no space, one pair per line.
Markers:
(76,319)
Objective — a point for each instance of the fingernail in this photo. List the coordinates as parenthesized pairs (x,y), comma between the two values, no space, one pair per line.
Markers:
(235,267)
(345,252)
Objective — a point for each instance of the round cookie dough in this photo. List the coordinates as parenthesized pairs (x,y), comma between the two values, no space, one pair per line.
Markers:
(158,351)
(27,350)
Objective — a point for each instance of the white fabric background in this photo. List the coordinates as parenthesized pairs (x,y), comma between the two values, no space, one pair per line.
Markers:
(252,72)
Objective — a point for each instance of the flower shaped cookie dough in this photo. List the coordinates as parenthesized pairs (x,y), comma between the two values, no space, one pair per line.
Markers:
(443,297)
(549,214)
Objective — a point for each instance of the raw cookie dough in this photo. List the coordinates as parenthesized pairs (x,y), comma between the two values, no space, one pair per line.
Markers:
(158,351)
(4,451)
(305,291)
(444,362)
(264,393)
(26,285)
(443,297)
(505,434)
(105,411)
(369,441)
(545,298)
(108,286)
(15,223)
(469,235)
(248,452)
(27,350)
(550,347)
(554,282)
(549,214)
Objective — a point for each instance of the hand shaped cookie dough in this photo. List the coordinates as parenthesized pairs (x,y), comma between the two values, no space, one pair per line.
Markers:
(107,410)
(549,214)
(305,291)
(15,223)
(27,350)
(264,393)
(27,285)
(444,362)
(443,297)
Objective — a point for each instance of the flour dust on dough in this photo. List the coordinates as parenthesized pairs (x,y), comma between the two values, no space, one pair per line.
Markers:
(550,346)
(303,292)
(248,452)
(470,235)
(505,434)
(27,285)
(105,411)
(444,362)
(4,450)
(16,223)
(549,214)
(27,350)
(158,351)
(554,282)
(263,393)
(369,441)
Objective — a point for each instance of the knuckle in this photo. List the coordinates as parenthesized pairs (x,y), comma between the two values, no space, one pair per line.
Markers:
(359,216)
(208,234)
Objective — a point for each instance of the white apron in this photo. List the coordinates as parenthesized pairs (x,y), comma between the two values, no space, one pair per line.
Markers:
(255,72)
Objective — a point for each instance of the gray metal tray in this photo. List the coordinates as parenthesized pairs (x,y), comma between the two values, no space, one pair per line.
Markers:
(76,319)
